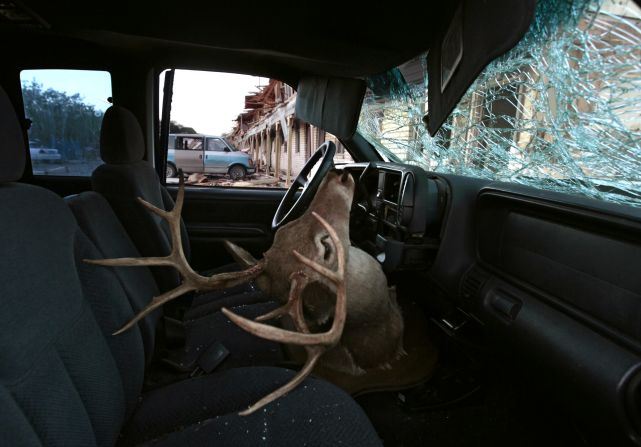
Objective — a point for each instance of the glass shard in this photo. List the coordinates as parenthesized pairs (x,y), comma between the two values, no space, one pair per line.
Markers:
(560,111)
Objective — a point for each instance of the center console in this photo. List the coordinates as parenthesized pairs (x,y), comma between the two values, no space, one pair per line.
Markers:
(397,214)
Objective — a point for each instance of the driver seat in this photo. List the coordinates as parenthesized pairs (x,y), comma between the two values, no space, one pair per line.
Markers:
(124,177)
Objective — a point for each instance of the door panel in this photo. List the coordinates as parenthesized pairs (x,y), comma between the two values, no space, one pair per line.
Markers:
(589,261)
(241,215)
(63,186)
(216,162)
(189,153)
(187,160)
(216,159)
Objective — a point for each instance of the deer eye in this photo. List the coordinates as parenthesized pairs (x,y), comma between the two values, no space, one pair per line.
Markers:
(327,245)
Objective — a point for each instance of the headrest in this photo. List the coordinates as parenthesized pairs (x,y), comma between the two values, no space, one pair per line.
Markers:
(12,150)
(121,138)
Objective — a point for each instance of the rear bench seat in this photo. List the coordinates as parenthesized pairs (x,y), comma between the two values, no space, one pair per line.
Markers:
(65,381)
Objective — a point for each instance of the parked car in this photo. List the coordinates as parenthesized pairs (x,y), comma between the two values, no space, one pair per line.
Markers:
(44,154)
(207,154)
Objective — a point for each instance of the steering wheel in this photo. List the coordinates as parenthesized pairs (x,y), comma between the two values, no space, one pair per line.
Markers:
(289,209)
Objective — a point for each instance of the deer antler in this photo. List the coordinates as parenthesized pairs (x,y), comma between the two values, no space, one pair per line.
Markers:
(315,344)
(191,280)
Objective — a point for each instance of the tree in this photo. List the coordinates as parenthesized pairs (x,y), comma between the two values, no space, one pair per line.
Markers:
(62,121)
(174,127)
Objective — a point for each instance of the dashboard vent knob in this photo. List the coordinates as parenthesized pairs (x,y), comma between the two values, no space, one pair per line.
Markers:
(472,283)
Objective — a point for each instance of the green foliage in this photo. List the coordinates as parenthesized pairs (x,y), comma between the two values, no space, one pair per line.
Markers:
(175,127)
(62,122)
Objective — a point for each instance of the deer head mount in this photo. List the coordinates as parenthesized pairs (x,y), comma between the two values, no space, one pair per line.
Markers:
(335,294)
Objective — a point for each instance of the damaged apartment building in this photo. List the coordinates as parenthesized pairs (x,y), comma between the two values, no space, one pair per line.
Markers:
(279,143)
(497,129)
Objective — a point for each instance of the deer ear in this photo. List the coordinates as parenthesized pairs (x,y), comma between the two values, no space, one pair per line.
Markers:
(240,255)
(325,247)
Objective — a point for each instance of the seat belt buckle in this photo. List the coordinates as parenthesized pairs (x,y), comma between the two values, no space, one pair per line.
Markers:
(210,359)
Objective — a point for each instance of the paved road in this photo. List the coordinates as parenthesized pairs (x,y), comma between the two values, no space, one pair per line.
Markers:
(72,169)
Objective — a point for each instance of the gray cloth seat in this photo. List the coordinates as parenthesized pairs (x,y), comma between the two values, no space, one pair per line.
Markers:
(65,380)
(99,223)
(124,177)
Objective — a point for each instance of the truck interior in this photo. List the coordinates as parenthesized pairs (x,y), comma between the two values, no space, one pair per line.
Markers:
(509,224)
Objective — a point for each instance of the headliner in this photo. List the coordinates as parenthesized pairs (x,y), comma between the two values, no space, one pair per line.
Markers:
(264,38)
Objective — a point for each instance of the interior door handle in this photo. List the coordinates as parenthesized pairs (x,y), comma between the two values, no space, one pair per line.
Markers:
(200,156)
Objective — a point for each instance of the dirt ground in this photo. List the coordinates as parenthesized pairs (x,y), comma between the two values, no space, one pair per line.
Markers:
(251,181)
(84,169)
(259,180)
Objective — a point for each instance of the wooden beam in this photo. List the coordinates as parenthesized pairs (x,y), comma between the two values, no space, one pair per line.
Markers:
(271,118)
(252,149)
(278,144)
(263,151)
(290,148)
(268,151)
(255,152)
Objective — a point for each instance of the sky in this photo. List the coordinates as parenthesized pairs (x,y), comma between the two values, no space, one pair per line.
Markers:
(206,101)
(93,86)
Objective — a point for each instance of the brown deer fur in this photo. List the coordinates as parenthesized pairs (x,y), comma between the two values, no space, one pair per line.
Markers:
(373,331)
(337,295)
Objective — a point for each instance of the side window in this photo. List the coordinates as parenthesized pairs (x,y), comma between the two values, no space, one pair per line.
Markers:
(65,108)
(251,120)
(191,143)
(216,145)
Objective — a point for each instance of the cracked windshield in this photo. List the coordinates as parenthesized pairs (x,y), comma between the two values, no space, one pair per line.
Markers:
(237,130)
(560,111)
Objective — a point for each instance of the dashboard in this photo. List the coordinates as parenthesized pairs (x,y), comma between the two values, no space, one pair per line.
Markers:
(397,214)
(544,282)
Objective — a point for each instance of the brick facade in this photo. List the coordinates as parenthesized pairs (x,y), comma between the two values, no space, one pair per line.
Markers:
(269,131)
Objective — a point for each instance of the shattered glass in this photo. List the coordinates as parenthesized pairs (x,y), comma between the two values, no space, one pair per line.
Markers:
(560,111)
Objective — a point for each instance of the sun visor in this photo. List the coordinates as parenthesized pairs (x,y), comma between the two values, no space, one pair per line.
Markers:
(478,33)
(333,104)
